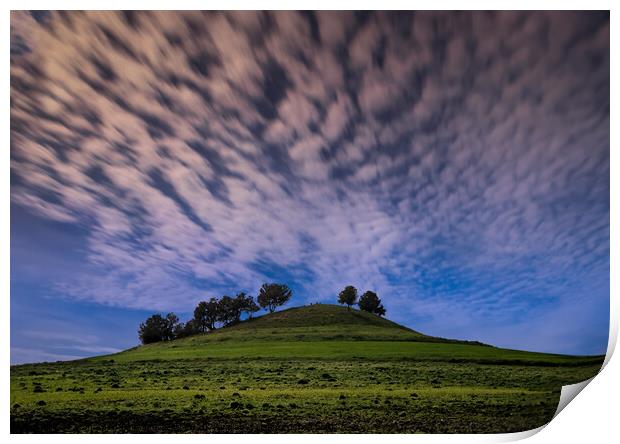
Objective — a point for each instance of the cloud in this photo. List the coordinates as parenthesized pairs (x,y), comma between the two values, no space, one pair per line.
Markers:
(450,161)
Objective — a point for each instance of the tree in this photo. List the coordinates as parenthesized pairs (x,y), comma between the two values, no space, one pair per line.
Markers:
(212,313)
(271,296)
(188,329)
(157,328)
(227,310)
(179,330)
(200,316)
(242,303)
(371,303)
(348,296)
(206,315)
(250,306)
(170,326)
(152,330)
(237,307)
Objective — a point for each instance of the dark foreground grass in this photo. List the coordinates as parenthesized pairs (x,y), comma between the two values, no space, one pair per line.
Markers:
(217,384)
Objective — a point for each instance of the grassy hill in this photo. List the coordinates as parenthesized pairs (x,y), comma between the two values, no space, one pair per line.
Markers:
(325,331)
(319,368)
(295,327)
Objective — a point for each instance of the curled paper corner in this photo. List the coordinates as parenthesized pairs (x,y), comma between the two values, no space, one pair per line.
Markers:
(569,392)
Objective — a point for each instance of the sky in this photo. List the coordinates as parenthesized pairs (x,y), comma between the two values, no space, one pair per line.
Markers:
(455,163)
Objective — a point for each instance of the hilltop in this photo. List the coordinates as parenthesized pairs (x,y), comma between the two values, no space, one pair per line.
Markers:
(320,315)
(316,322)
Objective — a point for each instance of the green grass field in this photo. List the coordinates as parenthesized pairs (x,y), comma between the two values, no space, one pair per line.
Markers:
(320,368)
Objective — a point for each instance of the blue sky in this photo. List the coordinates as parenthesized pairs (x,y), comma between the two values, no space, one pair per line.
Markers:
(455,163)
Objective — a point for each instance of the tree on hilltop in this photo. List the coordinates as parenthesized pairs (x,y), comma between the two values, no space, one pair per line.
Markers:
(348,296)
(272,295)
(151,330)
(157,328)
(228,310)
(206,315)
(242,303)
(371,303)
(170,326)
(246,304)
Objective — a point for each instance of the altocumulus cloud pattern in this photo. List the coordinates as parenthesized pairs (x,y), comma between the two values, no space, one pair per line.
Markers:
(456,163)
